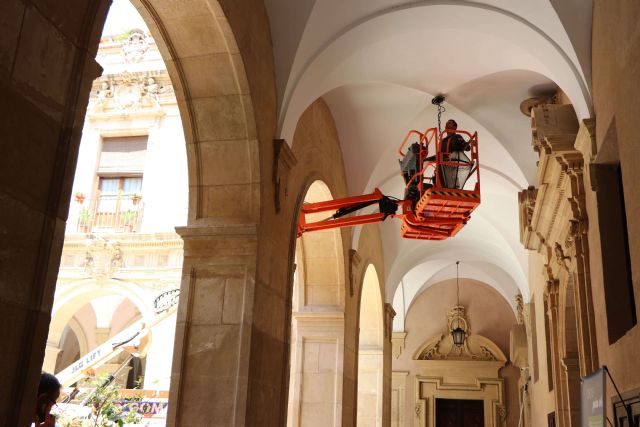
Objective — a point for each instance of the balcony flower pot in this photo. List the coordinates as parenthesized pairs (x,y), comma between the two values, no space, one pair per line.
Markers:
(84,221)
(128,220)
(135,199)
(79,196)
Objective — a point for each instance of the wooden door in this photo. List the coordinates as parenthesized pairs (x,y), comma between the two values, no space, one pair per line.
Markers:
(459,413)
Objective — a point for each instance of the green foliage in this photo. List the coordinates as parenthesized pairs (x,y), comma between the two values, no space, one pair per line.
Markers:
(107,408)
(123,36)
(128,217)
(84,216)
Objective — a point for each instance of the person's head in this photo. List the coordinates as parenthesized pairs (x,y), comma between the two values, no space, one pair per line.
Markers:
(451,125)
(48,394)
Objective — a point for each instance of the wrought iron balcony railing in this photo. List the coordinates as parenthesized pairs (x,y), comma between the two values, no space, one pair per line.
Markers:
(111,214)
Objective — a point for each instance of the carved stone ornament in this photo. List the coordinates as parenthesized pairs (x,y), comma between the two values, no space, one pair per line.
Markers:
(389,314)
(475,347)
(103,258)
(520,309)
(135,47)
(418,409)
(561,259)
(128,93)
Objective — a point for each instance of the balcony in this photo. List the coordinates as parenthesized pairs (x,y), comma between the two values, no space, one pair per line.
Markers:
(110,214)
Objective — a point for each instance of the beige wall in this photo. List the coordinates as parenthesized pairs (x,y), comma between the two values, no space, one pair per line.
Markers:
(616,94)
(489,314)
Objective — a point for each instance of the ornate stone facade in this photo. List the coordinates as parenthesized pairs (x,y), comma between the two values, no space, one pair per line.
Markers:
(554,222)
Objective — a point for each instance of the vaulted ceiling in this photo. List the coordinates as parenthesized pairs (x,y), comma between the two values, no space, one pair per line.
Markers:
(377,63)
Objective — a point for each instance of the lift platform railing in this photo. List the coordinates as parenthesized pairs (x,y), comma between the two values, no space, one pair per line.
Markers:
(433,210)
(431,142)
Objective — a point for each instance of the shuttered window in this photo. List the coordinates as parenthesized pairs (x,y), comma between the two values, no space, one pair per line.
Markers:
(123,155)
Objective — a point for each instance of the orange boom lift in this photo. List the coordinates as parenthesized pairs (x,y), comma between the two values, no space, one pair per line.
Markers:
(436,204)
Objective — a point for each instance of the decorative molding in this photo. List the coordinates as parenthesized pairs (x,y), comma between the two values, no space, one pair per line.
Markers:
(135,47)
(283,161)
(389,314)
(398,342)
(103,258)
(429,388)
(474,348)
(127,93)
(519,309)
(398,397)
(554,222)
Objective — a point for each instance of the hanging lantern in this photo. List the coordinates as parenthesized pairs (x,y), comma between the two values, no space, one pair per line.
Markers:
(458,334)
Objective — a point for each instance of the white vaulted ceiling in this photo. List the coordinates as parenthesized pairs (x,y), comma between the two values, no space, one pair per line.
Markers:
(377,64)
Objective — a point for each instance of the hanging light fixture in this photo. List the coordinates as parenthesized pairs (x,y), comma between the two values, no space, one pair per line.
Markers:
(458,333)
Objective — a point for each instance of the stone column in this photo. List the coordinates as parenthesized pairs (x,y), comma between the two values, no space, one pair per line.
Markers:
(47,66)
(317,362)
(551,295)
(571,375)
(389,314)
(51,354)
(102,335)
(214,326)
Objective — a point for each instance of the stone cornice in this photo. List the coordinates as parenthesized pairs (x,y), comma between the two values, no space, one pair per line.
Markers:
(204,232)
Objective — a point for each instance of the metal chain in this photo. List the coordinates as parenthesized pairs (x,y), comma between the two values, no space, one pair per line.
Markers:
(441,110)
(457,285)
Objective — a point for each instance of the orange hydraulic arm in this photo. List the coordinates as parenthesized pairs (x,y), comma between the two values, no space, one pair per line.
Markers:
(436,204)
(387,206)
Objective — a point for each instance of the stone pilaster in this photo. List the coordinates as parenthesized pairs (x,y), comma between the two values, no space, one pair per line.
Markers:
(213,327)
(51,354)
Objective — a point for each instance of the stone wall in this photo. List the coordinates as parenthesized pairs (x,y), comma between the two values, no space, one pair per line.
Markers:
(616,94)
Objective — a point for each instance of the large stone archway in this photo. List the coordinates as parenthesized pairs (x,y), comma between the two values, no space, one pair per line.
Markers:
(317,325)
(207,47)
(370,351)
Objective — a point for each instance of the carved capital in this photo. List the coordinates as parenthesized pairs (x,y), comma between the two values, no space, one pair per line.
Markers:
(527,204)
(283,162)
(562,260)
(389,314)
(398,343)
(549,121)
(520,309)
(551,294)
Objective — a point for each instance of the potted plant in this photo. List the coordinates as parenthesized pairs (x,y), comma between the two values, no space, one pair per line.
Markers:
(135,199)
(128,219)
(84,220)
(79,196)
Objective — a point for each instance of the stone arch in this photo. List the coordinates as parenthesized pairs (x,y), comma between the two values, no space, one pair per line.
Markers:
(75,326)
(370,350)
(317,323)
(75,329)
(207,46)
(81,293)
(322,267)
(217,110)
(222,137)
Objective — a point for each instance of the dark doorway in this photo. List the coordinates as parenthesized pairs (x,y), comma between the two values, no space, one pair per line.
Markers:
(459,413)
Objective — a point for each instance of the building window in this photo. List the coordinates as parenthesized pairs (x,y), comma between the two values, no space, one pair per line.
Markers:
(117,205)
(614,242)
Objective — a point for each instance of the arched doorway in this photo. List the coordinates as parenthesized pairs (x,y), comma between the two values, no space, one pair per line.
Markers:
(224,189)
(370,351)
(317,325)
